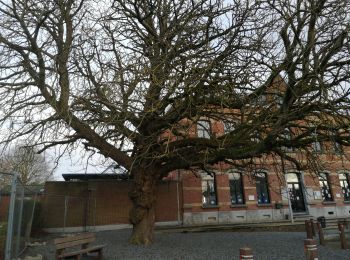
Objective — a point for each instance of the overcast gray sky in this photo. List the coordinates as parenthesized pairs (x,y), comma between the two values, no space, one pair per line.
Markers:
(77,162)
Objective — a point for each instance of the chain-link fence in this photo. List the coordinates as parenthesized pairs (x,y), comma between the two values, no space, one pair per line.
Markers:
(17,207)
(69,213)
(96,205)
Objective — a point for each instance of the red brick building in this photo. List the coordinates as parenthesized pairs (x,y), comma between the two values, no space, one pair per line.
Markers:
(269,190)
(232,195)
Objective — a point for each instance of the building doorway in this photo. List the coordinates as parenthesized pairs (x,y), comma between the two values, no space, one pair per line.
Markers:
(296,194)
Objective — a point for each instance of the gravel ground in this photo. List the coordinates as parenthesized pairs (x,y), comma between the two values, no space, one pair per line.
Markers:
(205,245)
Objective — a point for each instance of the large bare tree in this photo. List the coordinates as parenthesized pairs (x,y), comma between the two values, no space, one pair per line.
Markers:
(118,75)
(31,167)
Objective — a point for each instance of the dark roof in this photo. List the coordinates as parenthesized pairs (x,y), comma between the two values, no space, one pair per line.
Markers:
(93,176)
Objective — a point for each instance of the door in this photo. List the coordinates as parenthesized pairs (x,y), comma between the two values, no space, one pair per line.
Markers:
(296,194)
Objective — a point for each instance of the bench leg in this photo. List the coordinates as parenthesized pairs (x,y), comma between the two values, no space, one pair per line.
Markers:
(58,252)
(99,256)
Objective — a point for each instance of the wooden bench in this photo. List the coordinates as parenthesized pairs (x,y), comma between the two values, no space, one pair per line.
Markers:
(77,241)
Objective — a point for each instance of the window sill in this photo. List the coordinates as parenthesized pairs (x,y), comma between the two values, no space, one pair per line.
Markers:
(210,207)
(265,205)
(329,202)
(239,206)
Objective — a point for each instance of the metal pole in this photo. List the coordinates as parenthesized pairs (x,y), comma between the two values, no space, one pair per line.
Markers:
(65,214)
(19,221)
(29,226)
(177,197)
(95,207)
(9,232)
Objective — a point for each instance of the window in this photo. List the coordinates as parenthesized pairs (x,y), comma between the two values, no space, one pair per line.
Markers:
(325,188)
(236,188)
(262,188)
(344,184)
(228,127)
(278,98)
(261,99)
(255,137)
(203,129)
(209,197)
(338,148)
(316,145)
(286,136)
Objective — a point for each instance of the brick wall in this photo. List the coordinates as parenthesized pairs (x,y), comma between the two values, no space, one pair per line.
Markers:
(71,204)
(4,207)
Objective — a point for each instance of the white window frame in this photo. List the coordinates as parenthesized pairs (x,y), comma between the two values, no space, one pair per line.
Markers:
(203,129)
(206,181)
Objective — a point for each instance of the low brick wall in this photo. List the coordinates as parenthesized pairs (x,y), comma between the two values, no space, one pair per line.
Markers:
(4,207)
(96,203)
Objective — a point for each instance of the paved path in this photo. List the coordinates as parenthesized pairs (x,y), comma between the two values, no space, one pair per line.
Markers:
(206,245)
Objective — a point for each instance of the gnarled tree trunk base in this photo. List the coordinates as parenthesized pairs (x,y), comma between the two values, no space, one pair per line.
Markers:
(142,215)
(143,232)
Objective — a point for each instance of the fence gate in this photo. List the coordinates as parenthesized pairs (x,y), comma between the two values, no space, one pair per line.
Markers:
(17,204)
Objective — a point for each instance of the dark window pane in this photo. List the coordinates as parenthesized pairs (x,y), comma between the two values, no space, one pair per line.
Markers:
(209,197)
(338,149)
(236,189)
(325,188)
(316,145)
(345,186)
(228,127)
(203,129)
(262,188)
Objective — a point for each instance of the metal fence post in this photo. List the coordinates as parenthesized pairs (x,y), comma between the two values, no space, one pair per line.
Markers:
(29,226)
(19,224)
(9,233)
(94,214)
(65,214)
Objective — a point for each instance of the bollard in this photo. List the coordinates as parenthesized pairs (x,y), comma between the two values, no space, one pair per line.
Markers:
(308,229)
(310,249)
(342,236)
(320,234)
(312,227)
(245,253)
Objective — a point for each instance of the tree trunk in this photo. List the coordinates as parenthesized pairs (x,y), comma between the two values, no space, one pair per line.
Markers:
(142,215)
